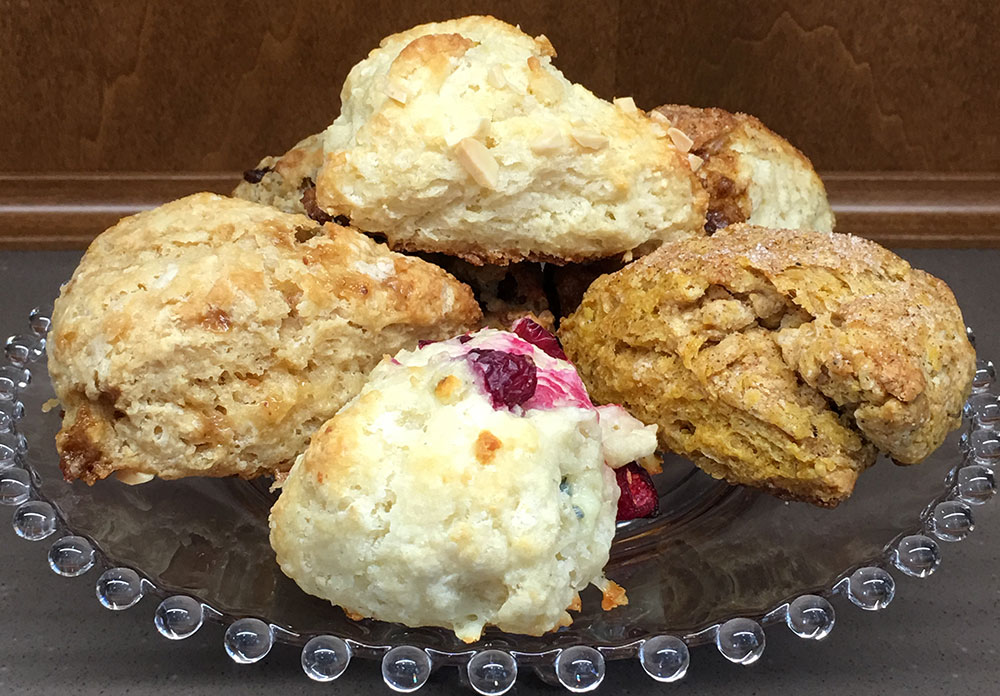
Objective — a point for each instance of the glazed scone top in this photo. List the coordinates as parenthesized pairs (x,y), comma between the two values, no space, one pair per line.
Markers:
(433,499)
(462,137)
(211,336)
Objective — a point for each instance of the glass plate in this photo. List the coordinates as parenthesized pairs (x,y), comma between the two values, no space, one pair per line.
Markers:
(718,565)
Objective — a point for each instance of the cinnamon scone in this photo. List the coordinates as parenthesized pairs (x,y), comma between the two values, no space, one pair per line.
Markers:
(466,485)
(212,336)
(779,359)
(461,137)
(751,173)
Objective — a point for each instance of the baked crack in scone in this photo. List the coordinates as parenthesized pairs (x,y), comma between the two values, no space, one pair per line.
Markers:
(779,359)
(751,173)
(212,336)
(461,137)
(465,486)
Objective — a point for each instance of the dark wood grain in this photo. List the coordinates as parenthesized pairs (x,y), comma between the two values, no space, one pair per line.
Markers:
(124,104)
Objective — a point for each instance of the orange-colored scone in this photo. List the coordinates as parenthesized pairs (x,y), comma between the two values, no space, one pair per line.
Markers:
(211,336)
(778,359)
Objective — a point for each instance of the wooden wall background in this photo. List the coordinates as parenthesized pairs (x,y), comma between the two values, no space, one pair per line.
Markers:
(110,106)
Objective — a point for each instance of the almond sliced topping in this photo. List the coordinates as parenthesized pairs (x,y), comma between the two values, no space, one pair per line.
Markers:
(695,161)
(660,118)
(551,140)
(496,78)
(681,141)
(477,160)
(626,104)
(133,478)
(395,92)
(588,139)
(658,130)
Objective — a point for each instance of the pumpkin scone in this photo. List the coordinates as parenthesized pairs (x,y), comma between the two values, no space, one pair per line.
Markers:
(211,336)
(779,359)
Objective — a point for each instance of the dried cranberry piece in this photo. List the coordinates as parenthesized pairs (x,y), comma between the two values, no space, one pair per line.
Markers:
(253,176)
(464,338)
(535,334)
(639,497)
(424,342)
(510,379)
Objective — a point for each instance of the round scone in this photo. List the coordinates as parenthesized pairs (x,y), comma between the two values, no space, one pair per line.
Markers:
(212,336)
(751,173)
(779,359)
(461,137)
(464,486)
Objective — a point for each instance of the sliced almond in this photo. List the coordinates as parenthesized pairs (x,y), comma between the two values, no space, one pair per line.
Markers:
(627,105)
(695,161)
(588,139)
(660,118)
(477,160)
(658,130)
(551,140)
(133,478)
(496,78)
(395,92)
(681,141)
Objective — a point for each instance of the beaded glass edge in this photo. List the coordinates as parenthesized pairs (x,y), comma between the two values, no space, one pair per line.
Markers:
(490,671)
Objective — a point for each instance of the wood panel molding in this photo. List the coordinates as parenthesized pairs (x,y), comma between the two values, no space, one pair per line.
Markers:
(916,209)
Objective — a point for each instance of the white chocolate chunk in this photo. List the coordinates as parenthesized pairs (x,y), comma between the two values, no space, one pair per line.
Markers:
(478,162)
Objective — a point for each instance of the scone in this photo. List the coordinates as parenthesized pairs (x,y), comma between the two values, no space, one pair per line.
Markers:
(461,137)
(465,486)
(779,359)
(288,182)
(212,336)
(751,173)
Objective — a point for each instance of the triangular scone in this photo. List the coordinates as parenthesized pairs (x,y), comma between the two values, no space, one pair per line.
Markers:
(211,336)
(461,137)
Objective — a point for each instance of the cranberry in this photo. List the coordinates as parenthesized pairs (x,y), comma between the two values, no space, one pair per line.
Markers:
(535,334)
(510,379)
(424,342)
(638,498)
(464,338)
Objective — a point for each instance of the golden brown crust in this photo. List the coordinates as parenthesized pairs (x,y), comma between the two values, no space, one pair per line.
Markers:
(210,336)
(779,359)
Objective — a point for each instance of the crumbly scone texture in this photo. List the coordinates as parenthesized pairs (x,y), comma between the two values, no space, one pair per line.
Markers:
(461,137)
(751,173)
(777,358)
(421,503)
(282,181)
(212,336)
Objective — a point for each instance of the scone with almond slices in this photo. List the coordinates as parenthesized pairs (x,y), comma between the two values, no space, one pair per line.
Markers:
(212,336)
(751,173)
(467,485)
(461,137)
(779,359)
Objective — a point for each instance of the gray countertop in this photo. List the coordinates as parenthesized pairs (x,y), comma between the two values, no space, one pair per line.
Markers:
(940,634)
